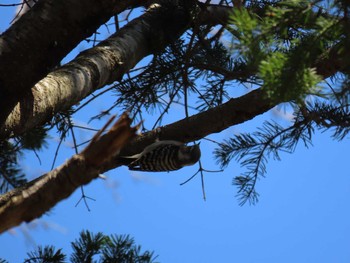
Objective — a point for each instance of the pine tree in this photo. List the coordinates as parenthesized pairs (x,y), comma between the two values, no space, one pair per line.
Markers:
(289,52)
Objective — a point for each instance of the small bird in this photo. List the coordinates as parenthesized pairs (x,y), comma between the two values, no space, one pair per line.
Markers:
(165,156)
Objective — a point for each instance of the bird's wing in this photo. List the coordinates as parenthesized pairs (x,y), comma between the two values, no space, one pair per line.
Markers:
(157,144)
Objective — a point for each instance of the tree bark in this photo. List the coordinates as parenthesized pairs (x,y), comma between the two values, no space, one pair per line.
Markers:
(42,37)
(96,67)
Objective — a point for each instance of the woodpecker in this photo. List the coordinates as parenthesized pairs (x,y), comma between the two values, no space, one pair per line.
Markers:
(165,156)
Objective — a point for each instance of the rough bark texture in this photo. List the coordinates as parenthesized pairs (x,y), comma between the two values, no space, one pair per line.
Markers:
(96,67)
(38,196)
(42,37)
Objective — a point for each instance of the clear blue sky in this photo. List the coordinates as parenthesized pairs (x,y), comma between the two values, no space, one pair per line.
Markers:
(302,216)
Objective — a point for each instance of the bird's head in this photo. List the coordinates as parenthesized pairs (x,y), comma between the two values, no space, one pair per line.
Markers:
(189,155)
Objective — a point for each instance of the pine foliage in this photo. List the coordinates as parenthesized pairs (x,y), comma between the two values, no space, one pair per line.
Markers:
(172,75)
(87,246)
(46,254)
(11,175)
(123,249)
(91,248)
(253,150)
(282,44)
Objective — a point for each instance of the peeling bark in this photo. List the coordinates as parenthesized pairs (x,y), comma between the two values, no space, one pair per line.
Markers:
(38,196)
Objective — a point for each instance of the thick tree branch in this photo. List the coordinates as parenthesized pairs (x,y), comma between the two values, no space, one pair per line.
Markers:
(97,67)
(38,196)
(42,37)
(39,40)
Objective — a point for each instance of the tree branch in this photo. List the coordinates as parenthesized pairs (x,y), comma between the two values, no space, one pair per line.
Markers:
(96,67)
(45,34)
(214,120)
(26,203)
(42,37)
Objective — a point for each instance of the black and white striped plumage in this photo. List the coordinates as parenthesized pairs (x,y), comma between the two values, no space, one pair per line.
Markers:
(165,156)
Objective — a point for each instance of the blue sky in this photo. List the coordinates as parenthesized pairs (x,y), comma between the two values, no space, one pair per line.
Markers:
(302,215)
